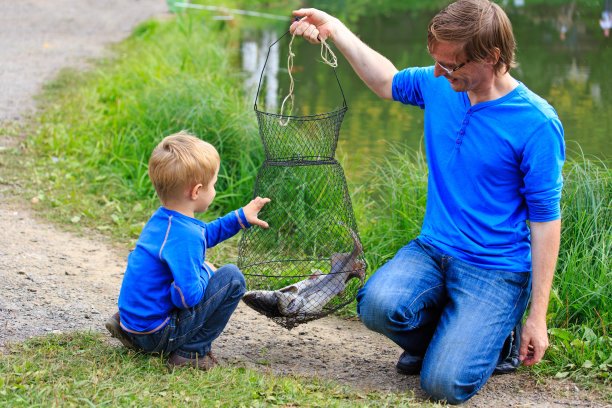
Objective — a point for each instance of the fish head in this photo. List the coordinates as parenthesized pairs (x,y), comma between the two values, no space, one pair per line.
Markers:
(262,301)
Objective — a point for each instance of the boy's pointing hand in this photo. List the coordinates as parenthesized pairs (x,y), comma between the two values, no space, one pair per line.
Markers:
(252,209)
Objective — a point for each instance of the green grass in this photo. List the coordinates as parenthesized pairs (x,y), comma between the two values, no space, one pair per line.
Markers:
(390,207)
(584,272)
(580,310)
(81,369)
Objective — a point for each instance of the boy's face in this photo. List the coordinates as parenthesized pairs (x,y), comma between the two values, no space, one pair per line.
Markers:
(207,194)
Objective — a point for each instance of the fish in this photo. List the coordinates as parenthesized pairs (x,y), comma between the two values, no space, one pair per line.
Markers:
(266,301)
(309,296)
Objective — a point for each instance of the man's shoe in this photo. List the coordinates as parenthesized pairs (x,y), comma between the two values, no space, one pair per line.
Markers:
(113,325)
(506,367)
(409,364)
(205,362)
(508,360)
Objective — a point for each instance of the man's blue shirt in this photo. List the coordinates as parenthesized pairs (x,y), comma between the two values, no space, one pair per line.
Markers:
(492,166)
(166,270)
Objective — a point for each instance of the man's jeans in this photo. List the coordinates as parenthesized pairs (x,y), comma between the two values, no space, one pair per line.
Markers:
(193,330)
(457,316)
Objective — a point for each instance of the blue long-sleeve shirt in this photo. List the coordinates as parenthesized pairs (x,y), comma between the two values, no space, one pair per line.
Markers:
(492,166)
(166,270)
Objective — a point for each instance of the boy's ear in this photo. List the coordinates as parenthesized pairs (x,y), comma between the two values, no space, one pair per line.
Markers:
(195,191)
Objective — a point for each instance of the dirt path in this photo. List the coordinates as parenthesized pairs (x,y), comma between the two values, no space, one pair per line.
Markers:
(53,281)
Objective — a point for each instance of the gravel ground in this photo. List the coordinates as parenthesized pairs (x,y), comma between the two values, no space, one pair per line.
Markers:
(54,281)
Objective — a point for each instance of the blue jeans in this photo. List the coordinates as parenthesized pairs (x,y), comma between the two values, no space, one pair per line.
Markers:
(453,314)
(193,330)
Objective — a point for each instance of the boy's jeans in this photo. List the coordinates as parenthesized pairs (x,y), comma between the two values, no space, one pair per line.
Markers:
(457,316)
(193,330)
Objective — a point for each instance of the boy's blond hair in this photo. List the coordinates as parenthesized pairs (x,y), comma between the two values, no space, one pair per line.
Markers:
(181,161)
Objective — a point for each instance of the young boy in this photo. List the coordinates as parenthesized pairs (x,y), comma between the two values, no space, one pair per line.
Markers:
(171,300)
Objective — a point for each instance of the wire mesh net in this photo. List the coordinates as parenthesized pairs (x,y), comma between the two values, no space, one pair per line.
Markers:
(310,262)
(307,138)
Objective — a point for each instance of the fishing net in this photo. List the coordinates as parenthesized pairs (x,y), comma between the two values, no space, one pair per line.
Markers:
(309,262)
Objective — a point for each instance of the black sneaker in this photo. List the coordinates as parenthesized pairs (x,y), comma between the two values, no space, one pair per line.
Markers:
(509,358)
(113,325)
(409,364)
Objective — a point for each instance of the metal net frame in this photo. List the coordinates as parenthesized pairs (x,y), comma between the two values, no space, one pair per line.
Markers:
(309,262)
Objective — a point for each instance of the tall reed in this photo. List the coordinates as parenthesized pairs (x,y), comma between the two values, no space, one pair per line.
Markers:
(583,281)
(389,203)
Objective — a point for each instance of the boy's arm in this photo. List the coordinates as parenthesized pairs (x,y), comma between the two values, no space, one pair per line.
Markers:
(227,226)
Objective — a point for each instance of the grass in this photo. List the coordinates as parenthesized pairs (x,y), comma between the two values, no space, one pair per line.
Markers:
(584,272)
(393,203)
(86,160)
(580,311)
(81,369)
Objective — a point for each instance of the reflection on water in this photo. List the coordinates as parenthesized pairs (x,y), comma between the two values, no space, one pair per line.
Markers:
(605,22)
(253,62)
(562,53)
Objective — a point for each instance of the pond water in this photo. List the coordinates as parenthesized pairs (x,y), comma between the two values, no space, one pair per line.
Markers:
(563,52)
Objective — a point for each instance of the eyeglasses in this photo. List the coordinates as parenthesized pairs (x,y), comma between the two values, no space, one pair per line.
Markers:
(450,71)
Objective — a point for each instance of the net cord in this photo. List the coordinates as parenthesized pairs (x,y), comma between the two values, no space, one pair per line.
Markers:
(326,54)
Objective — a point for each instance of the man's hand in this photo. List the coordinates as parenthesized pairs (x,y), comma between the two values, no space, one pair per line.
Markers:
(534,341)
(252,209)
(315,25)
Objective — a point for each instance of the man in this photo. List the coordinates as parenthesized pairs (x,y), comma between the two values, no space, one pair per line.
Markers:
(495,150)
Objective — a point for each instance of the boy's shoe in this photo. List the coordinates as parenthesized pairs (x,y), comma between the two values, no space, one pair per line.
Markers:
(113,325)
(409,364)
(205,362)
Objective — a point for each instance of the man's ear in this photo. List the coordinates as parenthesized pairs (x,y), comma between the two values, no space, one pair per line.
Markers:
(195,191)
(494,57)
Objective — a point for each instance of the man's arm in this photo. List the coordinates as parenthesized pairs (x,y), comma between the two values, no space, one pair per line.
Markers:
(374,70)
(545,241)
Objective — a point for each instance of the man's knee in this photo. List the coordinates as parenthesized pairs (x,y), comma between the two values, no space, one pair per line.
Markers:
(374,308)
(452,384)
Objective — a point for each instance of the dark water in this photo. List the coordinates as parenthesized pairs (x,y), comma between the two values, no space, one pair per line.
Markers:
(563,55)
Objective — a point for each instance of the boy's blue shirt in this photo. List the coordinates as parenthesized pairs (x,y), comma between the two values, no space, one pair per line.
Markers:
(492,166)
(166,270)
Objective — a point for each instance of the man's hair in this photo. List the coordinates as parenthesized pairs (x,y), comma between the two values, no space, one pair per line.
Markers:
(480,26)
(180,161)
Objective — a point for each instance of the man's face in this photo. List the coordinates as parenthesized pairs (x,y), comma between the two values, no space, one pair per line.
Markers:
(452,63)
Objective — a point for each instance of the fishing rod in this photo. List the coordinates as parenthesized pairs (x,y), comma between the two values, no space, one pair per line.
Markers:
(229,10)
